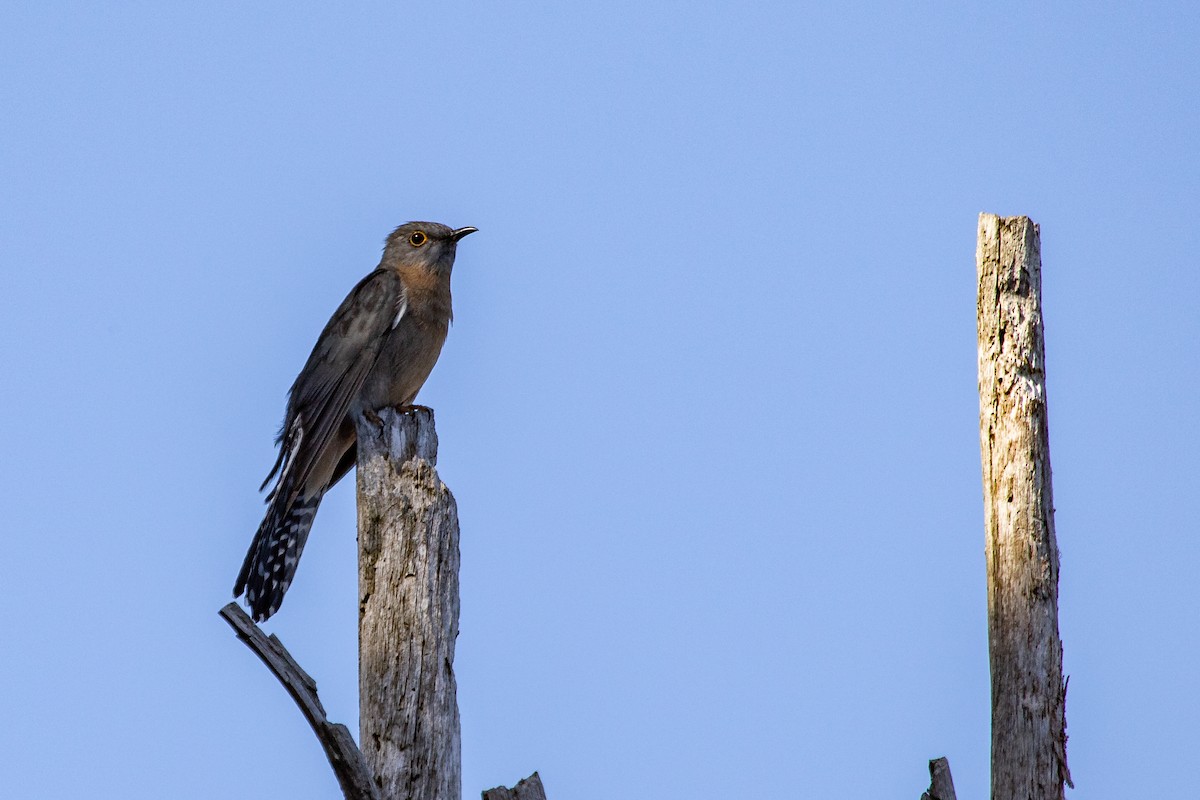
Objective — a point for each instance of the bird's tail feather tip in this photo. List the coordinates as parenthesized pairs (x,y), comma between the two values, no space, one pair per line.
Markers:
(271,562)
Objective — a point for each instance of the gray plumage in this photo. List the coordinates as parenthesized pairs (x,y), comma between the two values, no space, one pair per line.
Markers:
(376,351)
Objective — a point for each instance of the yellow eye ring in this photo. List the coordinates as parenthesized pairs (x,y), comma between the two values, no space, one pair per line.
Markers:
(417,239)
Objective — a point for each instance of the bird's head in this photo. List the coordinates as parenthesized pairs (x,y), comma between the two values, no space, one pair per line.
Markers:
(426,245)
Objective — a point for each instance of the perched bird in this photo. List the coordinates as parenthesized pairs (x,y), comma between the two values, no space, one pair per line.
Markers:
(376,351)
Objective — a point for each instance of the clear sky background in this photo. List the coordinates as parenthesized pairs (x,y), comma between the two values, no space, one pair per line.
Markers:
(709,405)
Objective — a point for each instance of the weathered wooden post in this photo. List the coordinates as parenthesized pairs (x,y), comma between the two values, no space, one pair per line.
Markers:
(409,742)
(941,784)
(1029,759)
(408,610)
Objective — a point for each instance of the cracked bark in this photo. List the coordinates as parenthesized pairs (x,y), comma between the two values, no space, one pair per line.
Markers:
(408,609)
(1028,692)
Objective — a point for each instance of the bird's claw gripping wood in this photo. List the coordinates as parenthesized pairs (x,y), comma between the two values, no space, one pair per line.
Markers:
(373,418)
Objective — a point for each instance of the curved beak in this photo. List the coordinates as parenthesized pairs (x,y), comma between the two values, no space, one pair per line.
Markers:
(461,232)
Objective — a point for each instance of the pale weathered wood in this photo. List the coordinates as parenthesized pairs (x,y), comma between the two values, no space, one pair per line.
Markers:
(1029,760)
(528,789)
(408,563)
(348,765)
(941,785)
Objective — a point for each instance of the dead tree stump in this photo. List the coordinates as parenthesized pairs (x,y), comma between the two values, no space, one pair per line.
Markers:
(408,609)
(1028,693)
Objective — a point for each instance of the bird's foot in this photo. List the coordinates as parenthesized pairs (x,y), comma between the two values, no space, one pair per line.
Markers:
(408,409)
(373,418)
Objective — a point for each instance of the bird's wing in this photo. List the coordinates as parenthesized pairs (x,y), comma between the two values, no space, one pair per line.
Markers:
(333,375)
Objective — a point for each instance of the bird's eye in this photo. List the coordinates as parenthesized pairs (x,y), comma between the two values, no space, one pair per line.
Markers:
(417,239)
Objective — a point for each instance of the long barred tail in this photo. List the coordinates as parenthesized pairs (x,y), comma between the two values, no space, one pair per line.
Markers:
(271,562)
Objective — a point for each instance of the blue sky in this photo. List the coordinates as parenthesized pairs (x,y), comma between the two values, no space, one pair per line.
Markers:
(709,405)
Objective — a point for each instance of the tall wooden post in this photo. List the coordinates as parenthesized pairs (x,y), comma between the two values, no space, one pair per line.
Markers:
(408,610)
(1029,760)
